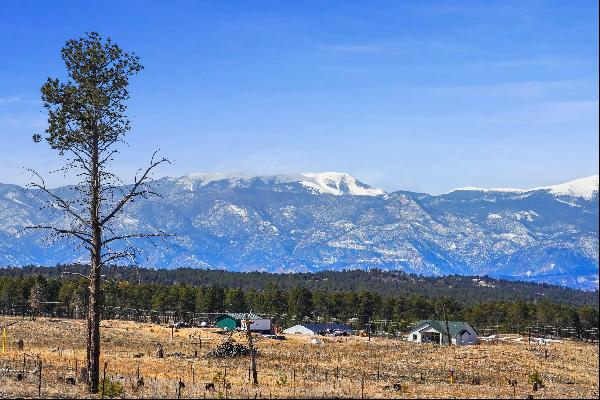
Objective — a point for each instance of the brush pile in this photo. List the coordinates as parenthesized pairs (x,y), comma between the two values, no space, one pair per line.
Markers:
(228,349)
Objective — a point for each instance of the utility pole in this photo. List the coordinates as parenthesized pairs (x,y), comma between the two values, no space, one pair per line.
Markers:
(252,351)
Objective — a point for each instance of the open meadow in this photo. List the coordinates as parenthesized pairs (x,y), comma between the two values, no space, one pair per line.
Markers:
(340,367)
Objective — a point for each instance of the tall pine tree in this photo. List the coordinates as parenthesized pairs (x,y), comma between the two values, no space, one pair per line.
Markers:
(86,122)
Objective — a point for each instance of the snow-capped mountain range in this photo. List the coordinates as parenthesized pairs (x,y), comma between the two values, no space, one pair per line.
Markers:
(317,221)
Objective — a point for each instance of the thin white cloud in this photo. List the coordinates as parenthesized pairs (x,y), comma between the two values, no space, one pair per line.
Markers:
(10,99)
(514,90)
(554,63)
(353,48)
(10,121)
(566,111)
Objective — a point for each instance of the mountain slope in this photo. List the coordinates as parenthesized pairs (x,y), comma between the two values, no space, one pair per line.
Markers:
(319,221)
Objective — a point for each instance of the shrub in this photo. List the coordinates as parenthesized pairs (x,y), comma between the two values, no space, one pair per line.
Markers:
(535,377)
(282,380)
(111,389)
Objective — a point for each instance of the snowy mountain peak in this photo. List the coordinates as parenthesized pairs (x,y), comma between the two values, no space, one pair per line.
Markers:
(337,183)
(586,188)
(334,183)
(583,187)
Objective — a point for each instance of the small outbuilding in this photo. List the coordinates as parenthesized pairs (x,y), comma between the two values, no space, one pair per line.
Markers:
(319,329)
(233,321)
(434,331)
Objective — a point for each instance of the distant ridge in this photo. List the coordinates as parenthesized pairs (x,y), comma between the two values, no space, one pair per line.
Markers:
(465,289)
(583,187)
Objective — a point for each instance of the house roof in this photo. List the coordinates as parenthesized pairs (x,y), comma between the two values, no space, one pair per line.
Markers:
(240,316)
(455,326)
(322,327)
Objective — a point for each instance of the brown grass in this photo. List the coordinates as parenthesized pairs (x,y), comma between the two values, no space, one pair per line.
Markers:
(340,367)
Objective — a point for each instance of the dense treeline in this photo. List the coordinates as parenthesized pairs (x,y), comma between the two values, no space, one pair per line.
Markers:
(289,305)
(463,289)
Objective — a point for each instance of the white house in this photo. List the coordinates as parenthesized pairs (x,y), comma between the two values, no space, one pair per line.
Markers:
(318,329)
(431,331)
(258,324)
(233,321)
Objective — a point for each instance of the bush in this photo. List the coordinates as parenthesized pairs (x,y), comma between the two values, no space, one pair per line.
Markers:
(282,380)
(110,388)
(535,377)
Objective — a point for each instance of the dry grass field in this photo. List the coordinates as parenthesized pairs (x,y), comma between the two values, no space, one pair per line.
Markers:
(339,367)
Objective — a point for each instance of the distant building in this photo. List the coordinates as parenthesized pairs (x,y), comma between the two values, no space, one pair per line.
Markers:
(318,329)
(233,321)
(432,331)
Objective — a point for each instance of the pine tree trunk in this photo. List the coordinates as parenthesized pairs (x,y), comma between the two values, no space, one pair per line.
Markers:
(96,251)
(94,329)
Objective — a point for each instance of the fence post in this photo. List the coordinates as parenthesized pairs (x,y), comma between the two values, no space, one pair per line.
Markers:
(39,376)
(103,380)
(362,386)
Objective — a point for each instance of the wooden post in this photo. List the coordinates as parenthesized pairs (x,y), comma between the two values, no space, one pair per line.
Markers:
(103,380)
(39,376)
(4,339)
(252,352)
(362,386)
(225,381)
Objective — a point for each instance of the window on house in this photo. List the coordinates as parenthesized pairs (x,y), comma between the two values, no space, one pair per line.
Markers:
(414,336)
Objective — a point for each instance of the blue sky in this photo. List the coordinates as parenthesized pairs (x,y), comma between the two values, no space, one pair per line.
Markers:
(423,96)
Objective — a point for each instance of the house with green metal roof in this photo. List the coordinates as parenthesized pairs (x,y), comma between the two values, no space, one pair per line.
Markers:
(233,321)
(435,331)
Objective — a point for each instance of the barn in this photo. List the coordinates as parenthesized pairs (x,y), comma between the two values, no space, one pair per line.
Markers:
(318,329)
(432,331)
(233,321)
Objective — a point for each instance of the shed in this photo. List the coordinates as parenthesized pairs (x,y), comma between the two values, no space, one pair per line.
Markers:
(434,331)
(318,329)
(232,321)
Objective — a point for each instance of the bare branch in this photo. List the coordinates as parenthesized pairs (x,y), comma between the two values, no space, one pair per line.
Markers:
(78,234)
(134,190)
(137,235)
(63,204)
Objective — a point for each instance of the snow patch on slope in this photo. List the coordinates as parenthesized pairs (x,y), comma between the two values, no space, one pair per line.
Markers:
(337,183)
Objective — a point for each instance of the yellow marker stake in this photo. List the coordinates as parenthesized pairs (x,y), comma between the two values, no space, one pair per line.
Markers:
(4,339)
